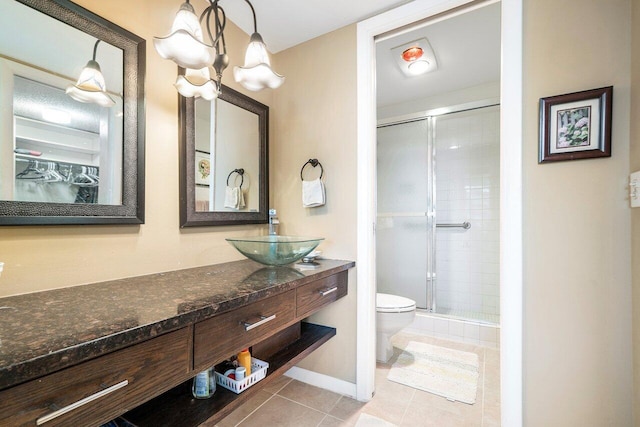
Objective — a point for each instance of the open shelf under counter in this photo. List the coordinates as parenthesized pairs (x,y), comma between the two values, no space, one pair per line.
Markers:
(179,407)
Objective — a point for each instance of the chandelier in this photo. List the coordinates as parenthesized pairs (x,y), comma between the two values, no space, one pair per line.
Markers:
(185,45)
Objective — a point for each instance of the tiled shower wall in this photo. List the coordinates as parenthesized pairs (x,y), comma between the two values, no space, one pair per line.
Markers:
(467,189)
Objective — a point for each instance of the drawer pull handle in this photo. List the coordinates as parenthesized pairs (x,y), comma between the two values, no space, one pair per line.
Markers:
(263,319)
(80,403)
(326,292)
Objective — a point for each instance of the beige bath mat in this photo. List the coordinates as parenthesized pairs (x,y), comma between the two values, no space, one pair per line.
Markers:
(366,420)
(443,371)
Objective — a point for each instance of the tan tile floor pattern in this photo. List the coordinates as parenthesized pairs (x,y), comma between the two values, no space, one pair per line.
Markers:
(288,402)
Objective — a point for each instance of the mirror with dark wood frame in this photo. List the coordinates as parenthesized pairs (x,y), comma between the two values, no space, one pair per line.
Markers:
(66,159)
(224,178)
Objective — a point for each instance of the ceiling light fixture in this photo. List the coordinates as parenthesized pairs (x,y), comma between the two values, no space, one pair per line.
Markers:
(186,47)
(415,58)
(91,86)
(412,54)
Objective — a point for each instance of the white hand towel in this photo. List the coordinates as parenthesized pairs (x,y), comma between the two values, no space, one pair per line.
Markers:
(240,198)
(231,197)
(313,194)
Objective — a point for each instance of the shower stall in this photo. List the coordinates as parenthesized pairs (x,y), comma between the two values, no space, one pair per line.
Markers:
(437,229)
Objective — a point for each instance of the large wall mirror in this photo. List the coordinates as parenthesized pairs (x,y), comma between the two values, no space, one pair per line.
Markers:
(65,158)
(223,160)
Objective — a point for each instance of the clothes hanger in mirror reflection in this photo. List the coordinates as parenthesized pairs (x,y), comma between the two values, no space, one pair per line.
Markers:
(86,178)
(41,172)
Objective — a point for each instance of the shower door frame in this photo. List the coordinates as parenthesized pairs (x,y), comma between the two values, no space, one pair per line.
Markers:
(432,118)
(430,212)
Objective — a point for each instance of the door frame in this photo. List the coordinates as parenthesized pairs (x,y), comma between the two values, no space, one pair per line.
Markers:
(511,251)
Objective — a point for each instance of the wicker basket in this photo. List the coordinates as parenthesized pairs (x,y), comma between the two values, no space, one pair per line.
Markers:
(258,372)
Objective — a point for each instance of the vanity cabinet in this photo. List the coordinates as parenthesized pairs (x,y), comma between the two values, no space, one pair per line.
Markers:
(148,382)
(313,296)
(275,325)
(100,389)
(217,338)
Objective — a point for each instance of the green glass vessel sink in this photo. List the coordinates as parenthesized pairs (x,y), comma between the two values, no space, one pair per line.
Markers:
(274,249)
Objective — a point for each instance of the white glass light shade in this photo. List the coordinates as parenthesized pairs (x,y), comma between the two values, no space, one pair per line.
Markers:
(419,66)
(257,73)
(185,45)
(197,83)
(91,86)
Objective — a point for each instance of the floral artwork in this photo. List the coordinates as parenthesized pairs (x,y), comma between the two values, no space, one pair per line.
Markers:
(576,125)
(203,168)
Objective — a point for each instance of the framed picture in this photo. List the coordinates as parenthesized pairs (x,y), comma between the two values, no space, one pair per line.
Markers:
(203,168)
(576,125)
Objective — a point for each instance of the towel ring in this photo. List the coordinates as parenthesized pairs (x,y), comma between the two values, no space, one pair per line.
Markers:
(239,172)
(314,163)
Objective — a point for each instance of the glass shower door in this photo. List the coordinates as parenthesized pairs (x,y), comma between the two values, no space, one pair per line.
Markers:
(467,146)
(405,228)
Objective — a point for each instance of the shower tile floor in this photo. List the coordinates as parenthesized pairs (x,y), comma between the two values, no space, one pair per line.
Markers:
(288,402)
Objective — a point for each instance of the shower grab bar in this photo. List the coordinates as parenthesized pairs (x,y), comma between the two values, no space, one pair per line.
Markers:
(466,225)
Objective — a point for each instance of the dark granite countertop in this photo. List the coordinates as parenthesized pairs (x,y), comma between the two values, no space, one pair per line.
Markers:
(43,332)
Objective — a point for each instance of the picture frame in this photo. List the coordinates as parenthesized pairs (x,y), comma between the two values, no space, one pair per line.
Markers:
(576,125)
(202,168)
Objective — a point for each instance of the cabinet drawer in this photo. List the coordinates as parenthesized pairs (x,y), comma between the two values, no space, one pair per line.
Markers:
(96,391)
(313,296)
(221,336)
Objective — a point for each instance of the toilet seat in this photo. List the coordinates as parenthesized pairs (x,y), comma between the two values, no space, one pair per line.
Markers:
(386,303)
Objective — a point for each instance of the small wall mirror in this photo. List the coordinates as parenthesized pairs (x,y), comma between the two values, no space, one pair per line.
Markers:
(65,160)
(223,160)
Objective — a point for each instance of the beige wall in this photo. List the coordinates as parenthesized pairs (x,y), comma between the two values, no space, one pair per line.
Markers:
(38,258)
(635,213)
(314,117)
(577,289)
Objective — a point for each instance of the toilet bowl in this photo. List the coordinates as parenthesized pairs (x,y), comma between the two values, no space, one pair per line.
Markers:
(393,313)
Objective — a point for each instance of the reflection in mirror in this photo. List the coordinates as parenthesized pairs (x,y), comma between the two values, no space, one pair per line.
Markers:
(227,158)
(226,180)
(61,146)
(71,146)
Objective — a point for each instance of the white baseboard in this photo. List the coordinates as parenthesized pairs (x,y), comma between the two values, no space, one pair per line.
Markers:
(323,381)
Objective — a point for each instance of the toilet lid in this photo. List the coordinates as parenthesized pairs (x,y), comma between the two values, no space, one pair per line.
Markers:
(386,303)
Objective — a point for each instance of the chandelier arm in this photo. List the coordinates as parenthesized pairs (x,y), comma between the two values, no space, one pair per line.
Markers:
(253,11)
(207,13)
(95,49)
(221,25)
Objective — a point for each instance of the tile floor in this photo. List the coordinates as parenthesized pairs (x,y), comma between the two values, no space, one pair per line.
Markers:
(288,402)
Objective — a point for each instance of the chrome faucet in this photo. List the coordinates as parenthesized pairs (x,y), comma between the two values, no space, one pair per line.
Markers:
(273,222)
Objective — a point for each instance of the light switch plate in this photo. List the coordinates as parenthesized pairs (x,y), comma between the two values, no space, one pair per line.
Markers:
(634,189)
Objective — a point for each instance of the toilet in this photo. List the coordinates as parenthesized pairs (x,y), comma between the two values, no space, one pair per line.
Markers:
(393,313)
